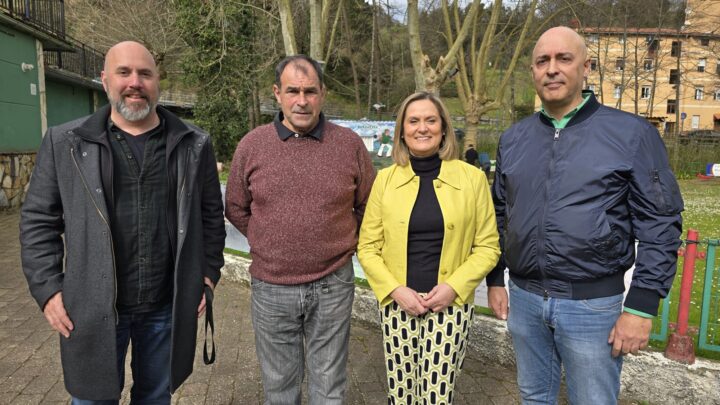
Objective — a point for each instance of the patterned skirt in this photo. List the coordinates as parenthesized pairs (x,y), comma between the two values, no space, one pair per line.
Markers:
(424,355)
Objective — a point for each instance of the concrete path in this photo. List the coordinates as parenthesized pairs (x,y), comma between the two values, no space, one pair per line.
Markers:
(30,370)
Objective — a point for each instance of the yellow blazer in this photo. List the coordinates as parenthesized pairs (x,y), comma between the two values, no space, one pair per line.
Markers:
(470,247)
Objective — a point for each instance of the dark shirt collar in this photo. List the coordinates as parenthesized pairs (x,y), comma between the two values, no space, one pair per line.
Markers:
(160,128)
(284,132)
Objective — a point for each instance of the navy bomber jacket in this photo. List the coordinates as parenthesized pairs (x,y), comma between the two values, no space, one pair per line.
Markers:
(571,203)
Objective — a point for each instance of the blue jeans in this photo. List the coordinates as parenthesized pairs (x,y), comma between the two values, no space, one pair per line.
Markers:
(548,333)
(150,363)
(304,324)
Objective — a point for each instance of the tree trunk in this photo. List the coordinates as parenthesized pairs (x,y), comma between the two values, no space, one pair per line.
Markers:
(349,42)
(331,43)
(373,38)
(622,74)
(378,58)
(288,27)
(601,63)
(256,104)
(316,34)
(472,126)
(416,53)
(636,74)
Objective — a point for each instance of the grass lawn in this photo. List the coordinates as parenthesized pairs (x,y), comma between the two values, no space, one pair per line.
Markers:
(702,213)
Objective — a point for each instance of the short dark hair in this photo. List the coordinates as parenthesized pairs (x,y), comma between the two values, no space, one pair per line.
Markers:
(293,60)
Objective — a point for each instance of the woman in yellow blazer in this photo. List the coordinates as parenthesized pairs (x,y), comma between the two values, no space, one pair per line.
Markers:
(427,239)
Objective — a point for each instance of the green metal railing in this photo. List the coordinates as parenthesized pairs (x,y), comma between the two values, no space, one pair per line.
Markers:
(660,326)
(45,15)
(709,333)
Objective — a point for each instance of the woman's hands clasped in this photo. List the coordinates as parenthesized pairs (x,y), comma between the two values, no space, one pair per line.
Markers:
(409,300)
(439,298)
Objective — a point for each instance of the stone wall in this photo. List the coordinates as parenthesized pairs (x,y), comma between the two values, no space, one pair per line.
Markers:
(15,170)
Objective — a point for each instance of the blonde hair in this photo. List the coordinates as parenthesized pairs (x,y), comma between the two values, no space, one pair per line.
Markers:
(448,145)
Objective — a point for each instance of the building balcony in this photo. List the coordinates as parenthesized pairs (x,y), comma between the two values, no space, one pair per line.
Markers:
(47,16)
(63,55)
(83,61)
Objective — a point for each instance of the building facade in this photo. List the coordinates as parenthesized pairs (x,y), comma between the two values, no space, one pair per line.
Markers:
(46,78)
(669,76)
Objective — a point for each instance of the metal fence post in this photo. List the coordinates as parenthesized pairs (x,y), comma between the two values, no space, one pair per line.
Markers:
(680,346)
(708,303)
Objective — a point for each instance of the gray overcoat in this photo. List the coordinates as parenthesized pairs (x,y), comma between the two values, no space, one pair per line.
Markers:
(67,244)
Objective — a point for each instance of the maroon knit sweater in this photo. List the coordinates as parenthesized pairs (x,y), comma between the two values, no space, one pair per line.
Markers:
(299,202)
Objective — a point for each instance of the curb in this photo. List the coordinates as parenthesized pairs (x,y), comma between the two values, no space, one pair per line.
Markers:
(648,376)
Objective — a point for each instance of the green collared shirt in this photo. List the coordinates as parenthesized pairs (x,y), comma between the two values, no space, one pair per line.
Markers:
(560,124)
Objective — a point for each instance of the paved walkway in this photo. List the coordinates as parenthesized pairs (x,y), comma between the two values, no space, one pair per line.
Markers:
(30,370)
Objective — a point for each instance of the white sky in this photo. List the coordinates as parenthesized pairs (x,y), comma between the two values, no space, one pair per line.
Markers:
(398,7)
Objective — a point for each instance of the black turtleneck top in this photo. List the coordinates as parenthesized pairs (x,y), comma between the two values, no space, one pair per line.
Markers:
(426,228)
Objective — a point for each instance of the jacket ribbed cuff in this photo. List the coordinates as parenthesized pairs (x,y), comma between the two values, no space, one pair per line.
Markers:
(643,300)
(496,278)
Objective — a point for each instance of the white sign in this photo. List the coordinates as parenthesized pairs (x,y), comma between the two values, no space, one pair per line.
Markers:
(716,170)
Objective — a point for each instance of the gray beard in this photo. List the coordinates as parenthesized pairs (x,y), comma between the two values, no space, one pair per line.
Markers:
(128,113)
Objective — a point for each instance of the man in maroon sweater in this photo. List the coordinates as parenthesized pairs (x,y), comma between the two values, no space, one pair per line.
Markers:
(297,189)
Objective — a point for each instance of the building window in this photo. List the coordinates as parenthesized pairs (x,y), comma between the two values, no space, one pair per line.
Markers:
(645,92)
(653,44)
(717,68)
(617,91)
(593,64)
(674,77)
(619,64)
(671,106)
(701,64)
(695,122)
(705,41)
(717,95)
(621,39)
(648,64)
(592,38)
(698,93)
(591,87)
(675,49)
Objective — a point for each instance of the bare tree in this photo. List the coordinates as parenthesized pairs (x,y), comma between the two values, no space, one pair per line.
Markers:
(473,80)
(319,14)
(428,78)
(103,23)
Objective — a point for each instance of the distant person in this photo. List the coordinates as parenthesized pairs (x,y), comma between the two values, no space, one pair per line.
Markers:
(297,190)
(485,163)
(122,236)
(576,185)
(385,143)
(427,240)
(471,155)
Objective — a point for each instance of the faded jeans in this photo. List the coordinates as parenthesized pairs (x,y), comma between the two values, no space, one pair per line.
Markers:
(553,332)
(304,324)
(150,363)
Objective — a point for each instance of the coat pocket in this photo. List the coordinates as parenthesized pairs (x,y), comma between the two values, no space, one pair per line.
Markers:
(609,242)
(666,192)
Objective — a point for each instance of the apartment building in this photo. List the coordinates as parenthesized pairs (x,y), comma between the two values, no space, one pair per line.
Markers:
(669,76)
